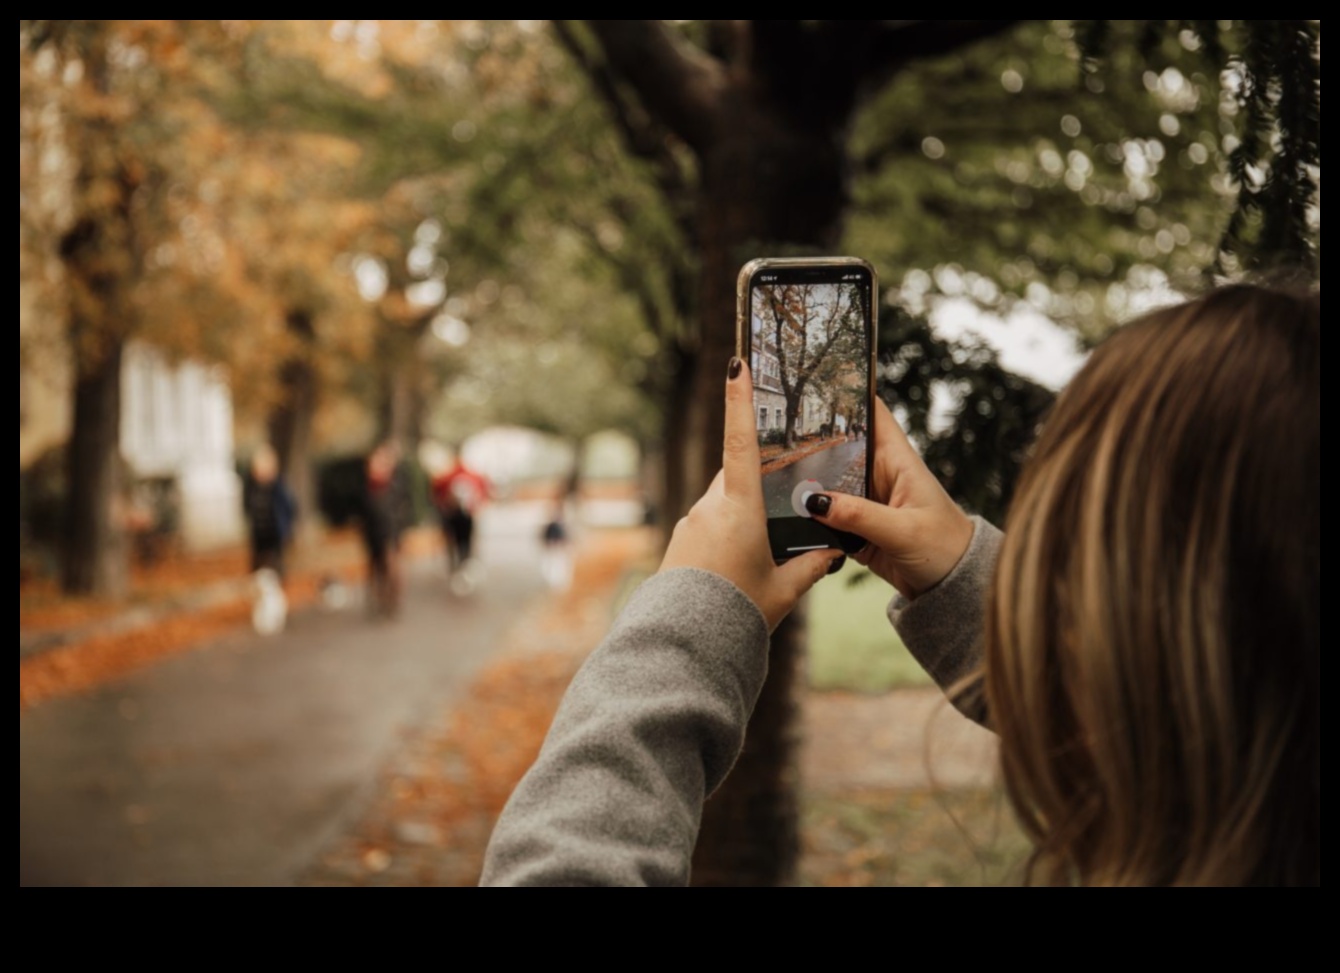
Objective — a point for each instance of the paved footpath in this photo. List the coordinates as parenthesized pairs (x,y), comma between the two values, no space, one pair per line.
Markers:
(235,763)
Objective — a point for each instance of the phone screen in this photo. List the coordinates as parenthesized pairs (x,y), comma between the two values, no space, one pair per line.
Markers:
(810,342)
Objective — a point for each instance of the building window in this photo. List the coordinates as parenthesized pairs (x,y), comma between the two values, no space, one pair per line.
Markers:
(763,417)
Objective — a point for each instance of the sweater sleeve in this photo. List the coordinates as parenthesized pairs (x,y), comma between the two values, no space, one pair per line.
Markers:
(650,726)
(942,627)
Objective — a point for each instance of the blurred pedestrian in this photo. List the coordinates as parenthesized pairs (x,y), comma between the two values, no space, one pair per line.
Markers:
(556,548)
(271,512)
(387,512)
(459,492)
(270,508)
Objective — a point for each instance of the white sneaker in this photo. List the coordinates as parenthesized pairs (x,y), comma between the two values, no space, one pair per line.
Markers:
(269,609)
(467,578)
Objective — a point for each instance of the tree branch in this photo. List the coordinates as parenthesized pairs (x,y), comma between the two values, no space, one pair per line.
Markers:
(677,81)
(640,132)
(642,135)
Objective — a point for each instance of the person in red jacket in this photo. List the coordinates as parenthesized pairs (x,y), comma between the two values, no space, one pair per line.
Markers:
(459,492)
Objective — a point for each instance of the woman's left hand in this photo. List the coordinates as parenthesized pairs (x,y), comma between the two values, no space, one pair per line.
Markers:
(726,532)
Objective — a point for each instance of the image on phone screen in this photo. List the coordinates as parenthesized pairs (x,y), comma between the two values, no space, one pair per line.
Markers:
(810,336)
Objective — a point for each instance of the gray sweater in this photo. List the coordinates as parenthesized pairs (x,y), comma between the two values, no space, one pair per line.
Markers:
(655,719)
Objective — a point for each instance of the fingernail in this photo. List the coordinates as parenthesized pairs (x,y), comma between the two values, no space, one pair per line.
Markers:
(836,566)
(733,369)
(818,504)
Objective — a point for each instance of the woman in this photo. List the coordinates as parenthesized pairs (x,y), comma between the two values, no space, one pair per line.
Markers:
(1146,631)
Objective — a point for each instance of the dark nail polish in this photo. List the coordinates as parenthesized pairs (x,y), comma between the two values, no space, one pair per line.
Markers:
(836,566)
(818,504)
(733,369)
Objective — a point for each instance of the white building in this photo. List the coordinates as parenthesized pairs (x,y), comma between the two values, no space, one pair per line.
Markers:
(177,423)
(769,400)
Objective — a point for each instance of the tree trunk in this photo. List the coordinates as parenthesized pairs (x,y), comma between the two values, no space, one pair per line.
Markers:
(405,383)
(291,421)
(101,261)
(93,552)
(751,827)
(677,494)
(792,416)
(402,404)
(769,187)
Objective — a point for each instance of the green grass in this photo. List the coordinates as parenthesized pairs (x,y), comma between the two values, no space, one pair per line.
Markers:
(852,646)
(910,838)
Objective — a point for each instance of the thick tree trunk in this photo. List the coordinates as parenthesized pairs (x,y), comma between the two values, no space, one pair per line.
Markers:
(291,421)
(101,261)
(769,188)
(675,496)
(94,553)
(751,827)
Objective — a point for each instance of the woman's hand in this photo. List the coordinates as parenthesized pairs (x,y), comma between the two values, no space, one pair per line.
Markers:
(726,532)
(916,533)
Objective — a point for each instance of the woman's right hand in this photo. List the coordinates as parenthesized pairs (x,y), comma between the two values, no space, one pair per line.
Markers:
(916,533)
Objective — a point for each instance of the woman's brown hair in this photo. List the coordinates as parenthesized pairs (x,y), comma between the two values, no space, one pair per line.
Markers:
(1152,644)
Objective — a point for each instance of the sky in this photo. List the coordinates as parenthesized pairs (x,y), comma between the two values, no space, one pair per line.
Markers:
(1026,342)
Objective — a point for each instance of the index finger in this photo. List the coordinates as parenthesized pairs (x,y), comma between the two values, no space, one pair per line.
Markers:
(889,435)
(898,465)
(740,457)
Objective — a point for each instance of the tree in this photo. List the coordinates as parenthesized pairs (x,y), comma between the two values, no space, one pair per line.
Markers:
(320,331)
(808,328)
(121,94)
(764,108)
(361,135)
(538,225)
(529,365)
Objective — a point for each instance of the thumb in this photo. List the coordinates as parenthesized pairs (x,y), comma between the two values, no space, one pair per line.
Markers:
(881,525)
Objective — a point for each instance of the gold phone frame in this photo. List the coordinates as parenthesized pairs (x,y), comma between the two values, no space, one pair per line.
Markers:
(742,313)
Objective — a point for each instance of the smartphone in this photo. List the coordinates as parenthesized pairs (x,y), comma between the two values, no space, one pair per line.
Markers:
(806,326)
